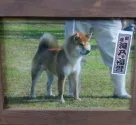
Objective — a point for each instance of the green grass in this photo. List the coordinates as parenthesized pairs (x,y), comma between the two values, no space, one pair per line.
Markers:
(33,30)
(96,87)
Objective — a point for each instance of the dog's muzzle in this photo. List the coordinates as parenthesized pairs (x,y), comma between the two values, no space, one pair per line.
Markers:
(85,52)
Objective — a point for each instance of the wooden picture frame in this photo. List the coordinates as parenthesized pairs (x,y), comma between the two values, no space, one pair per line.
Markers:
(63,9)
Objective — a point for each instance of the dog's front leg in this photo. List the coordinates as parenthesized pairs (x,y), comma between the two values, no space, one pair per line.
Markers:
(71,86)
(75,78)
(61,83)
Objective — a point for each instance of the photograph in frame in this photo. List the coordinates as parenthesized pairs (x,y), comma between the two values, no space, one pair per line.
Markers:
(62,9)
(96,87)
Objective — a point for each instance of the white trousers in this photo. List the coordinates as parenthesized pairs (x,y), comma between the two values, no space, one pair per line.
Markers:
(106,34)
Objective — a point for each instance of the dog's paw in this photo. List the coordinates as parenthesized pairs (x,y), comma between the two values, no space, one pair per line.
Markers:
(52,95)
(78,99)
(33,97)
(62,101)
(71,95)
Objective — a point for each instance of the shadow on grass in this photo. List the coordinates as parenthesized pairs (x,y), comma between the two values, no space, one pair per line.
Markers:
(28,100)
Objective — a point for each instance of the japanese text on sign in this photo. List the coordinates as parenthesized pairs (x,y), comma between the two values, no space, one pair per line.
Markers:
(122,53)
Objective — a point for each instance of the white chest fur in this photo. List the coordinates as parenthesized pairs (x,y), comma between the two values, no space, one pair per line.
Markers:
(68,69)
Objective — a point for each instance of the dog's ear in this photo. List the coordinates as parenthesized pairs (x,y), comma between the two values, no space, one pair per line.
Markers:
(89,36)
(76,36)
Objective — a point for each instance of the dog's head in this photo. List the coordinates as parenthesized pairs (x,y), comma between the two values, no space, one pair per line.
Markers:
(81,43)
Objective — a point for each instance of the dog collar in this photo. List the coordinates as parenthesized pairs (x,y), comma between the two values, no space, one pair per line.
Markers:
(55,49)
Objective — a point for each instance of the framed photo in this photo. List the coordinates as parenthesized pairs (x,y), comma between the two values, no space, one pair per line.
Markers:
(24,25)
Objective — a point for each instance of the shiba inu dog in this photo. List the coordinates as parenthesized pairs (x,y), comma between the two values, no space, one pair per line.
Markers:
(61,62)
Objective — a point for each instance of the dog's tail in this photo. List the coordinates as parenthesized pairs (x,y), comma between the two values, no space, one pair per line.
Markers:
(47,41)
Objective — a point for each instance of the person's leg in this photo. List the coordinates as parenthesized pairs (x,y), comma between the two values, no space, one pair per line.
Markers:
(106,34)
(119,84)
(72,26)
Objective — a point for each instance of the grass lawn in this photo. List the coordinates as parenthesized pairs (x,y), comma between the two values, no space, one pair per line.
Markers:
(96,87)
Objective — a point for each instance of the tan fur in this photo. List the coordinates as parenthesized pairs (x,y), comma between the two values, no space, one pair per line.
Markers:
(61,62)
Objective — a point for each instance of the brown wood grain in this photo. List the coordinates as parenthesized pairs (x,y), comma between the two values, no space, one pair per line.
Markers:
(133,104)
(67,117)
(133,88)
(1,90)
(68,8)
(1,78)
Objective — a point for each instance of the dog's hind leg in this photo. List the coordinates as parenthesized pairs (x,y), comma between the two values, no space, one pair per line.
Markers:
(35,73)
(49,84)
(61,83)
